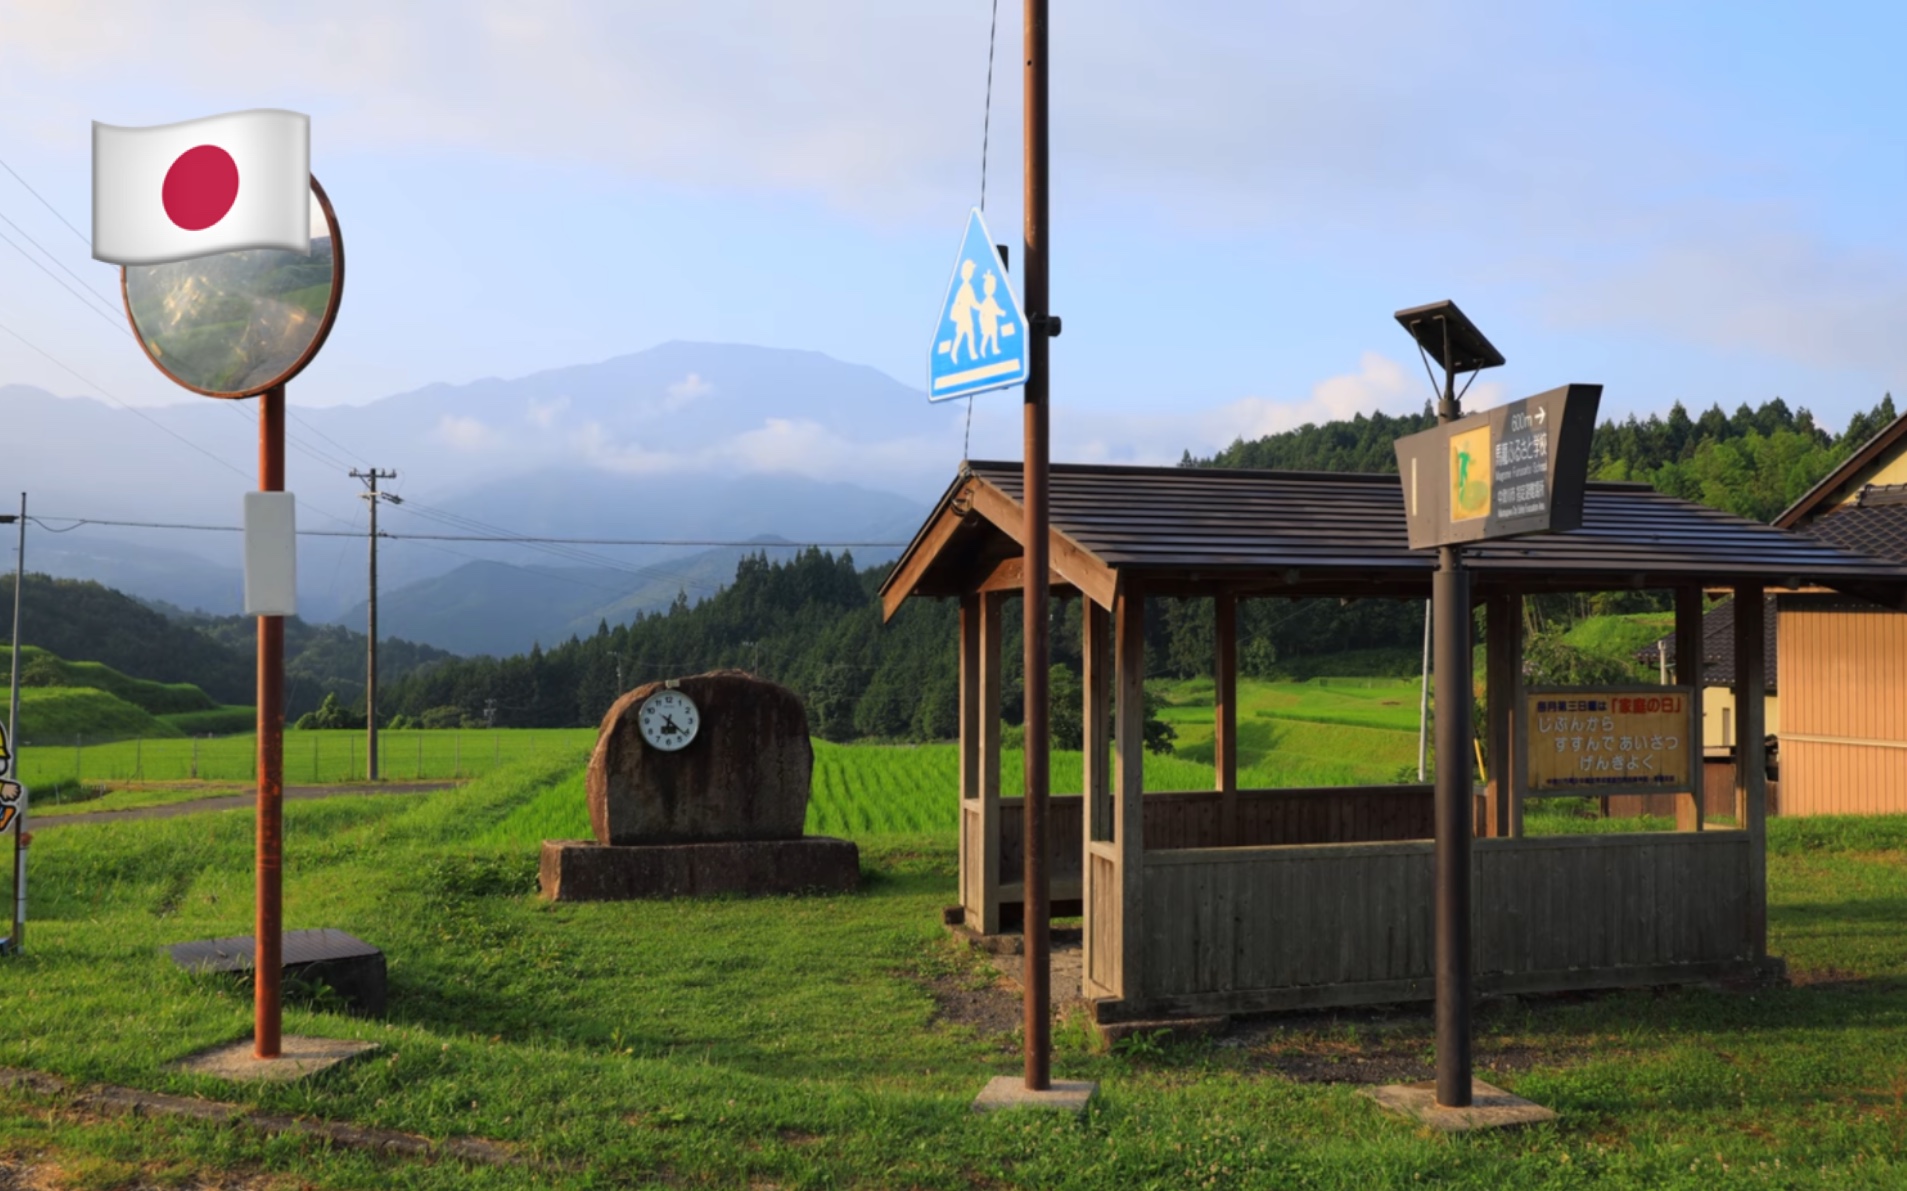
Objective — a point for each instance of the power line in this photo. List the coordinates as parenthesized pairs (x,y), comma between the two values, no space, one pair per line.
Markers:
(97,387)
(49,206)
(34,261)
(315,453)
(526,539)
(90,289)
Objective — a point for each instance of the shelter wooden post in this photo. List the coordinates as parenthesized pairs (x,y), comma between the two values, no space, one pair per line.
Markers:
(1503,668)
(1688,673)
(1096,654)
(1225,711)
(982,629)
(1751,754)
(971,850)
(1114,893)
(1098,864)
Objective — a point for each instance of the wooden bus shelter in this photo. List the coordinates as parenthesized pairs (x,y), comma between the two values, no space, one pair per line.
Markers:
(1236,900)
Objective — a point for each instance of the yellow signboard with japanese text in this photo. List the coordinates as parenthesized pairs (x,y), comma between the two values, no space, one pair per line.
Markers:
(1610,740)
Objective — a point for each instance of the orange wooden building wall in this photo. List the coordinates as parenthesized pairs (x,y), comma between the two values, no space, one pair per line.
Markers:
(1844,710)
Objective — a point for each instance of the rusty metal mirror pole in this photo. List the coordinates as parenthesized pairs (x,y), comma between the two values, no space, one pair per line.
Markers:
(1037,903)
(267,960)
(236,358)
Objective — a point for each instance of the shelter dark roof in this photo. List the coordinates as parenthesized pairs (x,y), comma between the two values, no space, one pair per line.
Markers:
(1718,645)
(1336,533)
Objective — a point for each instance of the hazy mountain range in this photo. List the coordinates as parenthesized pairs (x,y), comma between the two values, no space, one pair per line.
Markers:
(697,443)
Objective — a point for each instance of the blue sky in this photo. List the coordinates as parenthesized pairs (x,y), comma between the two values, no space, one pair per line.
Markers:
(1693,201)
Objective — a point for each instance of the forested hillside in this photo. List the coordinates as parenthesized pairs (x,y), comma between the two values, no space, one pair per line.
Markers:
(83,621)
(813,623)
(1755,462)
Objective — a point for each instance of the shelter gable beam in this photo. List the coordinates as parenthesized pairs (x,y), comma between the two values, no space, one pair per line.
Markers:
(1077,565)
(915,564)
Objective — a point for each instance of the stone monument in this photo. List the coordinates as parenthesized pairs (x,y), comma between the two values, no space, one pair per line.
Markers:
(700,786)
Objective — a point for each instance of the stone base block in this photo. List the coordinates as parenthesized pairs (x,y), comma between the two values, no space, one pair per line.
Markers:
(1010,1091)
(297,1058)
(581,870)
(352,968)
(1490,1107)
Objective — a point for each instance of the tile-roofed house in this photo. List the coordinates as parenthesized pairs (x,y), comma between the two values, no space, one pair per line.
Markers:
(1844,662)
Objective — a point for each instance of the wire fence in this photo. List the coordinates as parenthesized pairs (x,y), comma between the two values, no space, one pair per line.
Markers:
(51,767)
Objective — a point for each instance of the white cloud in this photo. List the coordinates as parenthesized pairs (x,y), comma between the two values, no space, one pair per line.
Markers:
(1380,384)
(687,391)
(1242,113)
(465,434)
(542,414)
(1746,285)
(782,445)
(594,446)
(1574,149)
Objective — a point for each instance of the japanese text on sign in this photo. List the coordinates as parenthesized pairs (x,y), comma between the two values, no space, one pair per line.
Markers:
(1521,475)
(1599,742)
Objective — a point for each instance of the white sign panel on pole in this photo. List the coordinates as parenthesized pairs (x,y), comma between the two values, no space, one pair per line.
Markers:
(271,555)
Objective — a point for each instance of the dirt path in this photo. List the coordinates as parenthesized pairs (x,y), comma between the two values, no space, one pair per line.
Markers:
(230,802)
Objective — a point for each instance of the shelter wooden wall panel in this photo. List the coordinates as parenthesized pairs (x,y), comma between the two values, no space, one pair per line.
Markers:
(1194,819)
(1613,902)
(1552,911)
(1259,919)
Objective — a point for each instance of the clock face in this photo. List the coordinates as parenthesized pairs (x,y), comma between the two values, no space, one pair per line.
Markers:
(668,720)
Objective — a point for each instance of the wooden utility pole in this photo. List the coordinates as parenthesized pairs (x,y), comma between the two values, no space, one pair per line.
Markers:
(1041,324)
(371,478)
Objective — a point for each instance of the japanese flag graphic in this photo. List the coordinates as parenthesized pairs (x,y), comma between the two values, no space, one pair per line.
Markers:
(177,191)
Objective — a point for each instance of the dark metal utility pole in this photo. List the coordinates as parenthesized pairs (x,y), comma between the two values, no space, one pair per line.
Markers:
(1450,593)
(370,645)
(1041,324)
(268,968)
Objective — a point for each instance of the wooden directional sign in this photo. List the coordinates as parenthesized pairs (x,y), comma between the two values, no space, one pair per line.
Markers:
(1516,469)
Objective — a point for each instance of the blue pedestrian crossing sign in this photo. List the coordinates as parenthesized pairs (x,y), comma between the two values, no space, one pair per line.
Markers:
(981,340)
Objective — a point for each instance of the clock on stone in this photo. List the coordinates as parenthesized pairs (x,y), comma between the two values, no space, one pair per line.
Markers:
(669,720)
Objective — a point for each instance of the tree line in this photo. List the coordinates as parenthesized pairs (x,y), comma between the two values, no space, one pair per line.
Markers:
(813,623)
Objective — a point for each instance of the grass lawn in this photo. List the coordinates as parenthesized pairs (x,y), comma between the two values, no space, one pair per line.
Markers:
(311,758)
(797,1042)
(1321,732)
